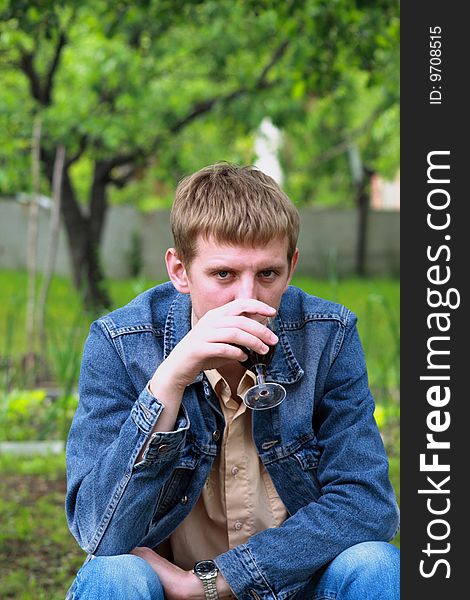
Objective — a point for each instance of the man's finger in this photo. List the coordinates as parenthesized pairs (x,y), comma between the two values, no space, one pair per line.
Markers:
(248,306)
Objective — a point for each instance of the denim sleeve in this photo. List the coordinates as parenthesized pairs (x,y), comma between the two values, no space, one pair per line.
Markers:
(110,500)
(356,503)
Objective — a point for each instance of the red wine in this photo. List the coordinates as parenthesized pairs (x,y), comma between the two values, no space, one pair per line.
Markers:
(257,359)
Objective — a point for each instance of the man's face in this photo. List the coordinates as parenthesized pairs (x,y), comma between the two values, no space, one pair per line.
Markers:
(220,273)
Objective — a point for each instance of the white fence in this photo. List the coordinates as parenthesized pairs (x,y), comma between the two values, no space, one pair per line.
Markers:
(327,241)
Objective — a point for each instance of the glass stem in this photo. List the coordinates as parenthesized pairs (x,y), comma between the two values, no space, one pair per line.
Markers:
(260,374)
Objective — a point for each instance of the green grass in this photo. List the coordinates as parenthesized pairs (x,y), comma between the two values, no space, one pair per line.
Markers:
(67,325)
(38,555)
(64,308)
(376,303)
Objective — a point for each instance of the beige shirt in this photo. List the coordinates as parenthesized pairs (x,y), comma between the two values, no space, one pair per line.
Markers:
(238,498)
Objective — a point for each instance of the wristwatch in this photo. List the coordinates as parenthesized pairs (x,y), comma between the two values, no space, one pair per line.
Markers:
(207,572)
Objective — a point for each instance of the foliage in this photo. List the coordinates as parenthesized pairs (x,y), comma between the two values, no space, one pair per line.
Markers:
(27,415)
(355,115)
(148,91)
(376,302)
(134,255)
(126,79)
(66,326)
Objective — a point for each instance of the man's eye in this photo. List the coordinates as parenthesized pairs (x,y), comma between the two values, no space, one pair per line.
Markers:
(222,274)
(268,274)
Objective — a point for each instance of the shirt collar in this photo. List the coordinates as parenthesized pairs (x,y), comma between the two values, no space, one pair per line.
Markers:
(215,379)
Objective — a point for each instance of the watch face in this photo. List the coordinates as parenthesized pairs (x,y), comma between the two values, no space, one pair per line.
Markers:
(205,566)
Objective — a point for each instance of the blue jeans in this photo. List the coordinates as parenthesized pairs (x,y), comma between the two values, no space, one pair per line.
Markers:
(367,571)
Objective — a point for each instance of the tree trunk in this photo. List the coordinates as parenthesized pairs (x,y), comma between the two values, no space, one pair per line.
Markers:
(363,207)
(54,230)
(84,236)
(362,227)
(32,249)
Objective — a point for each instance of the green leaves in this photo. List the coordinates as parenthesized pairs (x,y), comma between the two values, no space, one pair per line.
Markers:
(183,83)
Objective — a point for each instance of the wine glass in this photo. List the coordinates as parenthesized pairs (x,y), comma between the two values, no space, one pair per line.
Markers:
(262,395)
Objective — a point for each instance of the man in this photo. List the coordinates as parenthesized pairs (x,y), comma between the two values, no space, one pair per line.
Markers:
(166,465)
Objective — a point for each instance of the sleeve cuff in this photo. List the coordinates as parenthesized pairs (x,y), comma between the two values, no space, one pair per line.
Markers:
(243,576)
(145,413)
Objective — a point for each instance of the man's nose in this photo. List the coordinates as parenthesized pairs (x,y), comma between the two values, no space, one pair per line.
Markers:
(246,288)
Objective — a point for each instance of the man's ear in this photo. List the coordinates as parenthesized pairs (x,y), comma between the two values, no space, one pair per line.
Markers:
(293,262)
(176,271)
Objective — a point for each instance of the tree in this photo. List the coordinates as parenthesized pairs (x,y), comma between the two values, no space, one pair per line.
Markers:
(32,247)
(345,138)
(53,241)
(121,84)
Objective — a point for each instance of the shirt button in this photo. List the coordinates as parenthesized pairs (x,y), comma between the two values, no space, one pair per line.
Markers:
(235,471)
(163,448)
(238,525)
(216,435)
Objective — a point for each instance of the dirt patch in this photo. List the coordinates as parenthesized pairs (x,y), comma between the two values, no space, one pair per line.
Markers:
(31,487)
(38,554)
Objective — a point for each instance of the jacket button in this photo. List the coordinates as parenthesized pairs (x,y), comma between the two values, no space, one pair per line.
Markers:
(163,448)
(184,500)
(216,435)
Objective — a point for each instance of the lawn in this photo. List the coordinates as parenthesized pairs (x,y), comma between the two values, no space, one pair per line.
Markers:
(38,555)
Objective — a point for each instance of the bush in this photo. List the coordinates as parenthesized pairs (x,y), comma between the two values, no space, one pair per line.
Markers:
(31,415)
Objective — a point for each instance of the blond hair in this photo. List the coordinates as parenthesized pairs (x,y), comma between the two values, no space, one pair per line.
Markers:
(233,204)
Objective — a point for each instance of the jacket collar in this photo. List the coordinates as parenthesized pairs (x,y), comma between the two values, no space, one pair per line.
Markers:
(284,367)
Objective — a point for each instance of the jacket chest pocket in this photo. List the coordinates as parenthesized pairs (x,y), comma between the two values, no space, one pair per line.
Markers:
(295,476)
(308,457)
(175,490)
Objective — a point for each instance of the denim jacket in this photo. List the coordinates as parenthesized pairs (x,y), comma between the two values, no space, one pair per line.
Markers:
(321,446)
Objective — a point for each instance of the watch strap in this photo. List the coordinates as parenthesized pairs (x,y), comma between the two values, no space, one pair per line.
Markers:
(210,586)
(207,572)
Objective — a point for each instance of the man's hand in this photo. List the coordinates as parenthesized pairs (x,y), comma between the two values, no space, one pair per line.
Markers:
(177,583)
(210,344)
(213,341)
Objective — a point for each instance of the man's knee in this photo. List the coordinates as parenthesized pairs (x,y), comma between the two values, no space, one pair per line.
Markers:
(372,567)
(116,577)
(369,555)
